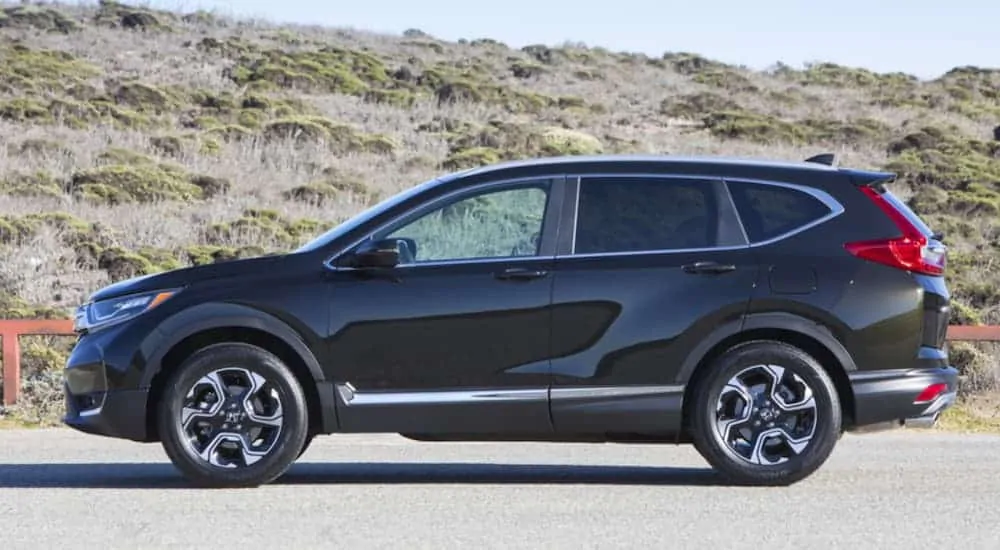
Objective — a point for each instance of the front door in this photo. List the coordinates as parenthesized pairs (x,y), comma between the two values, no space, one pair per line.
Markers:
(456,338)
(656,263)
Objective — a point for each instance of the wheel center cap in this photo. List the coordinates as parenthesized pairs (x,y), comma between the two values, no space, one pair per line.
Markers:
(234,416)
(768,414)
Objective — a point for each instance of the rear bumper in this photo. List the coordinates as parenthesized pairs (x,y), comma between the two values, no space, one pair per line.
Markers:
(894,396)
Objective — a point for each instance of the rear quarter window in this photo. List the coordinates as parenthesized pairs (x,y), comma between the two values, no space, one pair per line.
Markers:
(768,211)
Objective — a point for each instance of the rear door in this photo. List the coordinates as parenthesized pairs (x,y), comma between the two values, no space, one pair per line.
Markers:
(653,264)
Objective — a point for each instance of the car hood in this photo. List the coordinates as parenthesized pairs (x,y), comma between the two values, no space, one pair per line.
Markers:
(188,275)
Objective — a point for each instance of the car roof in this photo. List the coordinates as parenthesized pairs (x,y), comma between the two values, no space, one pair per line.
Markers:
(666,160)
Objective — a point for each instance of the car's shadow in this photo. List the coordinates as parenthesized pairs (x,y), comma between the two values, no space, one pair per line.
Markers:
(164,476)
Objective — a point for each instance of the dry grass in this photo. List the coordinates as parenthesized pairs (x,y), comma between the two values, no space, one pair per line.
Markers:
(617,98)
(973,414)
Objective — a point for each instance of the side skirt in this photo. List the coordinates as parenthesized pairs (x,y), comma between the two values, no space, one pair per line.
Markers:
(627,414)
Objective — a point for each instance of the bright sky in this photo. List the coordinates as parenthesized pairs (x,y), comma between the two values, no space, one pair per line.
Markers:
(921,37)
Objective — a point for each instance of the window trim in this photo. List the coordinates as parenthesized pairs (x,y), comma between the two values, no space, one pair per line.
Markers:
(727,207)
(550,224)
(836,209)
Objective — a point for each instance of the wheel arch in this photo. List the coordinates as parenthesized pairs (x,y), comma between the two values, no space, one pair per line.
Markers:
(195,328)
(811,337)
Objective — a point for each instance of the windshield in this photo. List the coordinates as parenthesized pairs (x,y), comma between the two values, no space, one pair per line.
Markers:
(363,217)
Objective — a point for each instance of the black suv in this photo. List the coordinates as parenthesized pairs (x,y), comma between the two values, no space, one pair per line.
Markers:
(755,309)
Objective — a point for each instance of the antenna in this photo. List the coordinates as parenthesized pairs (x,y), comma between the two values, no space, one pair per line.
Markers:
(823,158)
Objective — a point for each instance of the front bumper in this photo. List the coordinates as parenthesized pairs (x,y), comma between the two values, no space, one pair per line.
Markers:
(911,397)
(99,399)
(117,413)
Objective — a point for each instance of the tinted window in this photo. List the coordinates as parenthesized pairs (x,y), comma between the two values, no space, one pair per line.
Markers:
(769,210)
(492,224)
(630,214)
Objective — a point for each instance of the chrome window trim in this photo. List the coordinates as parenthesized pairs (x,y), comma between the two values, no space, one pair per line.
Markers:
(429,206)
(836,209)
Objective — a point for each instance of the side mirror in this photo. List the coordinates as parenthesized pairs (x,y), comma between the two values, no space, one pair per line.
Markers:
(377,254)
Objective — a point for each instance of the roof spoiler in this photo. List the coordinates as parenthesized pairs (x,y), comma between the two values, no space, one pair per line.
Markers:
(861,178)
(827,159)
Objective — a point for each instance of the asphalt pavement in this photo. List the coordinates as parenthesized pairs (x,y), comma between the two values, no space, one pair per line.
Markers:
(903,489)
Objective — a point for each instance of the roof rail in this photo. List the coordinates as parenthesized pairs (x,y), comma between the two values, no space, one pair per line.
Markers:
(824,158)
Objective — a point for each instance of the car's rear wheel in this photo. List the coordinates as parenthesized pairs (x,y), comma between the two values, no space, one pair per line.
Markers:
(765,413)
(232,415)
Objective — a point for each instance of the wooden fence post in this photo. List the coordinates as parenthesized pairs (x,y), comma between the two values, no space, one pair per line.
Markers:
(11,331)
(11,365)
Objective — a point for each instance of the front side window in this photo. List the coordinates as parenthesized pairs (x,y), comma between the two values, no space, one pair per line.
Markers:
(621,214)
(492,224)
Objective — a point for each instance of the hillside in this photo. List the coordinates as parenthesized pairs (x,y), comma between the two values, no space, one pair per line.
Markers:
(137,140)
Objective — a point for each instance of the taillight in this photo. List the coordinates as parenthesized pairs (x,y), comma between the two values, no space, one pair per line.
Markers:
(913,251)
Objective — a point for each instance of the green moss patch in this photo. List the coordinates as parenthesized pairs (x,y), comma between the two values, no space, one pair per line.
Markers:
(125,183)
(36,71)
(762,128)
(12,307)
(475,145)
(695,105)
(331,69)
(123,16)
(343,138)
(39,18)
(333,186)
(263,225)
(36,184)
(120,176)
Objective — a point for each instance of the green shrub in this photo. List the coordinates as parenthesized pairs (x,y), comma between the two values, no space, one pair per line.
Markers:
(143,182)
(343,138)
(263,225)
(27,70)
(37,17)
(763,128)
(209,254)
(697,104)
(473,145)
(118,15)
(331,186)
(37,184)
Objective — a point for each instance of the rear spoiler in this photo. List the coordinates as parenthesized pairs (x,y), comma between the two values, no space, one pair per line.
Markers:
(861,178)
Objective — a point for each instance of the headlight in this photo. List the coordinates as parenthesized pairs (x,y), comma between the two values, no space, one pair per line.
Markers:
(101,314)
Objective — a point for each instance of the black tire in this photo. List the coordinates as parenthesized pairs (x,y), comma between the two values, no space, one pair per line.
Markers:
(827,418)
(286,444)
(305,446)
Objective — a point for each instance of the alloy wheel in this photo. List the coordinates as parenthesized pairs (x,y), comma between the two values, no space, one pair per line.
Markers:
(231,418)
(766,414)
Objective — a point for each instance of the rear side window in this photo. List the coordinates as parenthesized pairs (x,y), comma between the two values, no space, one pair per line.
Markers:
(634,213)
(768,211)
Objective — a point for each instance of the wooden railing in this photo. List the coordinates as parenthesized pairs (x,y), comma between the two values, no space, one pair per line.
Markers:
(12,330)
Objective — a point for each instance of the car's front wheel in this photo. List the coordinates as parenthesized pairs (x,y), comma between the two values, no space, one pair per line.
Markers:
(765,413)
(232,415)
